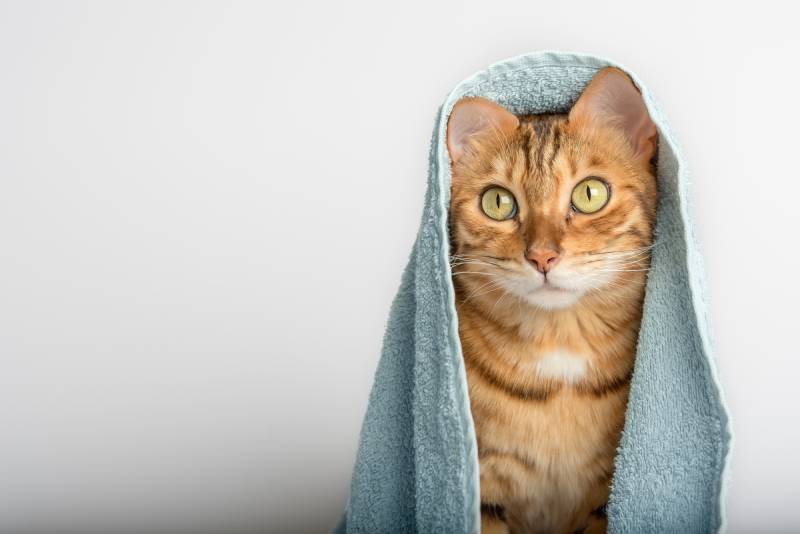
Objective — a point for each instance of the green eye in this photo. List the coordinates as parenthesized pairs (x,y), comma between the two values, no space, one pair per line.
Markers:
(590,195)
(498,204)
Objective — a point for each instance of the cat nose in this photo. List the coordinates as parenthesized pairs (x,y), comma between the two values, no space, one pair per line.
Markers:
(543,259)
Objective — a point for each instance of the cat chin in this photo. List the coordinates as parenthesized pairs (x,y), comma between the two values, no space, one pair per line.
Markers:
(549,298)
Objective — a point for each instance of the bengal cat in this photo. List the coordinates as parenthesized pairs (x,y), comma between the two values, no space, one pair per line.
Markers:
(551,222)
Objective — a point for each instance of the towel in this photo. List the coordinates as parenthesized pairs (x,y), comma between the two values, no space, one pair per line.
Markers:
(416,468)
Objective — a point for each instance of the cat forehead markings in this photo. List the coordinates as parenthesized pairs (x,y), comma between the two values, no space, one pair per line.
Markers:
(519,166)
(529,159)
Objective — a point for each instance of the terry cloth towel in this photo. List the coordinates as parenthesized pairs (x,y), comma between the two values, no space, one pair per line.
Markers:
(417,465)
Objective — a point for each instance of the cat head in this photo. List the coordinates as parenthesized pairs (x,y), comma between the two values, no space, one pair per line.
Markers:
(553,208)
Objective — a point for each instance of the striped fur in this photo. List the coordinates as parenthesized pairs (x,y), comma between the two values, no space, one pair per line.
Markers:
(548,386)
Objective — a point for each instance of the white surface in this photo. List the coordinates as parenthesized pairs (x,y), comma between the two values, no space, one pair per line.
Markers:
(205,211)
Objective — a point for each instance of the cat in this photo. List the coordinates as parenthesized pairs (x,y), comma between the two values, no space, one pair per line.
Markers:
(551,227)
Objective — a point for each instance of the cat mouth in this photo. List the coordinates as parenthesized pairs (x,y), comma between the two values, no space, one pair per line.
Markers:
(552,296)
(549,286)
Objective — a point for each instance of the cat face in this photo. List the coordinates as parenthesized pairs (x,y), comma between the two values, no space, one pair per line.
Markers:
(549,209)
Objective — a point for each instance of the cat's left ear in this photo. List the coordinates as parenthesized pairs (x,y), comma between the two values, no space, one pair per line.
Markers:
(473,118)
(611,98)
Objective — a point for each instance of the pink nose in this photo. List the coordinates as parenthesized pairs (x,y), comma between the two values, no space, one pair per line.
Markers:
(543,259)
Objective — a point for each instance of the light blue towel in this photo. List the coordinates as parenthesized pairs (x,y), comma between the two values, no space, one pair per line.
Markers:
(417,463)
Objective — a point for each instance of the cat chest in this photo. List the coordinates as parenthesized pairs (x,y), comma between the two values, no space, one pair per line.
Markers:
(560,364)
(552,450)
(567,427)
(548,417)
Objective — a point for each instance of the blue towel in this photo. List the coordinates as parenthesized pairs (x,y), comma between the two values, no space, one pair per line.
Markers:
(417,463)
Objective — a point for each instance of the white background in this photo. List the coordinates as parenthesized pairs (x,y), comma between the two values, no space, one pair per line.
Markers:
(205,210)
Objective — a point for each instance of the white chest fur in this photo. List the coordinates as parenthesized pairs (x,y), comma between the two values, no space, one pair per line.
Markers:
(561,364)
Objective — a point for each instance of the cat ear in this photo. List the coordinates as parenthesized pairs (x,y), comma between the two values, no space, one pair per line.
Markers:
(612,99)
(476,117)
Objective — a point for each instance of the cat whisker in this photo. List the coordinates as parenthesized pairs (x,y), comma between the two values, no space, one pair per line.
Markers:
(457,259)
(612,260)
(625,251)
(620,270)
(621,255)
(481,293)
(472,263)
(496,302)
(492,286)
(603,286)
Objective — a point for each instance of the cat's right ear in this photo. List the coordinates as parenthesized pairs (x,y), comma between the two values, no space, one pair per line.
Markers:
(612,98)
(476,117)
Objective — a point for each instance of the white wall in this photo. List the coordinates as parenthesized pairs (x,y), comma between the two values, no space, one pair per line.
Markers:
(205,210)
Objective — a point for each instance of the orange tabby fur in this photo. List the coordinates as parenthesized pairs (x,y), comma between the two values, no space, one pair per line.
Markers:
(548,385)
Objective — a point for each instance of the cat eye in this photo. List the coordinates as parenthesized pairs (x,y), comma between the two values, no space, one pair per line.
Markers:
(590,195)
(498,204)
